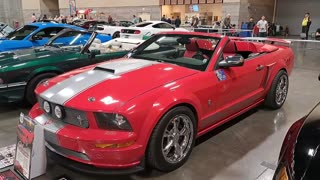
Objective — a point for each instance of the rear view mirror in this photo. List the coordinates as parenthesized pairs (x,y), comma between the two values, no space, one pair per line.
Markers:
(234,61)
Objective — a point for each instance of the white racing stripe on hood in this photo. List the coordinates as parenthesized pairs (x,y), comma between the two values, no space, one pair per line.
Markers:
(66,89)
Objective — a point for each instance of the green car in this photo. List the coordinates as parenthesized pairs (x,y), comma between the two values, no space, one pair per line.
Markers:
(21,71)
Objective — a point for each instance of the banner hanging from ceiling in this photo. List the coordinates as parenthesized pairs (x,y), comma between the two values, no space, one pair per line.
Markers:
(73,7)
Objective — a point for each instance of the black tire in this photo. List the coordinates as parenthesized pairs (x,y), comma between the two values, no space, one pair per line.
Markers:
(154,156)
(30,96)
(116,35)
(271,99)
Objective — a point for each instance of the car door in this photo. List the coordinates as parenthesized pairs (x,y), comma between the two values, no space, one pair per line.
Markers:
(237,87)
(41,37)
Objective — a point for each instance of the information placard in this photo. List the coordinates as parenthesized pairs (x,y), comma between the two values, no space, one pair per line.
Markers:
(30,158)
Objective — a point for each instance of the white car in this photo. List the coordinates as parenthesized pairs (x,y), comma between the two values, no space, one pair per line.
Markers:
(147,28)
(114,28)
(5,29)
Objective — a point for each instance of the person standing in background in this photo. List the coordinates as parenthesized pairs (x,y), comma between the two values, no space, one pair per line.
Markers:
(140,19)
(227,22)
(110,19)
(33,18)
(164,18)
(251,24)
(306,23)
(135,19)
(169,21)
(263,27)
(45,17)
(177,22)
(196,22)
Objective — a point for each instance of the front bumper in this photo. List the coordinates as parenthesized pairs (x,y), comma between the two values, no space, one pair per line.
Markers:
(90,169)
(78,145)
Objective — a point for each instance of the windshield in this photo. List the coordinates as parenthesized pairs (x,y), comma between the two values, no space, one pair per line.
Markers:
(21,33)
(143,24)
(70,38)
(194,52)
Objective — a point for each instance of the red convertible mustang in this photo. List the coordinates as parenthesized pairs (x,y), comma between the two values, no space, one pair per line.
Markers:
(148,108)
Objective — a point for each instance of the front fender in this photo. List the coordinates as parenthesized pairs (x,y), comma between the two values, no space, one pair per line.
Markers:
(44,70)
(149,110)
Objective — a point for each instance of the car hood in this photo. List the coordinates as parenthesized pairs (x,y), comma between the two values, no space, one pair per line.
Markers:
(8,58)
(306,152)
(107,86)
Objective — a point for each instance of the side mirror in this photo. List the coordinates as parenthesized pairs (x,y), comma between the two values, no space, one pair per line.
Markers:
(94,52)
(36,38)
(234,61)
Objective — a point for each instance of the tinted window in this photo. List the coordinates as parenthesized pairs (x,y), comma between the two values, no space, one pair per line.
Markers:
(143,24)
(21,33)
(48,32)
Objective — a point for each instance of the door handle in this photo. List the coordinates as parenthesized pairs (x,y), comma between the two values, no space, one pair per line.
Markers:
(260,67)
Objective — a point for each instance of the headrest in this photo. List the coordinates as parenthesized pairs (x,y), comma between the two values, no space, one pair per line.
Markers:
(230,47)
(205,44)
(192,46)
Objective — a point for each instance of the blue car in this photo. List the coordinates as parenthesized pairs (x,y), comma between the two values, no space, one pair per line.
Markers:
(37,34)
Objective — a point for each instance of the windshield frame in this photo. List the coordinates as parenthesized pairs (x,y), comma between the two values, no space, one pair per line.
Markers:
(93,35)
(147,43)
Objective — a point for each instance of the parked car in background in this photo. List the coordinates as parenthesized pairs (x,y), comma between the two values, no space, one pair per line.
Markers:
(48,21)
(89,23)
(148,28)
(299,157)
(5,29)
(32,35)
(114,28)
(147,108)
(22,70)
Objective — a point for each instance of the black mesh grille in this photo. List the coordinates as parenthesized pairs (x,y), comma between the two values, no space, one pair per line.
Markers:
(72,116)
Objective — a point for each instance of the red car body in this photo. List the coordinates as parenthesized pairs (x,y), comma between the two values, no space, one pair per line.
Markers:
(145,94)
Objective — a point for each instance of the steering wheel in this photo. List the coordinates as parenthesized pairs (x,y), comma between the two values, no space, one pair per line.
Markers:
(199,56)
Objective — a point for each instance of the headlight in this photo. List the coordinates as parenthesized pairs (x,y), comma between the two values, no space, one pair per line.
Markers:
(112,122)
(46,107)
(59,112)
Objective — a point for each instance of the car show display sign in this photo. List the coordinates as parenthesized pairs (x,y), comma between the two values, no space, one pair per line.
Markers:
(7,156)
(8,175)
(30,158)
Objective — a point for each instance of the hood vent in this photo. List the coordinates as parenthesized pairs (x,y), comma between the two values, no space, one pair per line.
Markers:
(124,66)
(105,69)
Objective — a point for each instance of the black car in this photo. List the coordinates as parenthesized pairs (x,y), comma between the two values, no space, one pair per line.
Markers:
(299,156)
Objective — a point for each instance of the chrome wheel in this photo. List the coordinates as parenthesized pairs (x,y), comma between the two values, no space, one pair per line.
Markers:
(282,90)
(177,138)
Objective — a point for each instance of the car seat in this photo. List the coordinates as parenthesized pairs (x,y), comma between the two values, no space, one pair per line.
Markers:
(191,49)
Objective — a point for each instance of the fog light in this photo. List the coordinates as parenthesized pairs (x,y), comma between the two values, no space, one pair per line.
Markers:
(46,107)
(122,145)
(58,111)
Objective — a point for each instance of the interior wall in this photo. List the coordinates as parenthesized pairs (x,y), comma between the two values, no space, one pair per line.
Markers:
(49,7)
(256,9)
(11,12)
(291,13)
